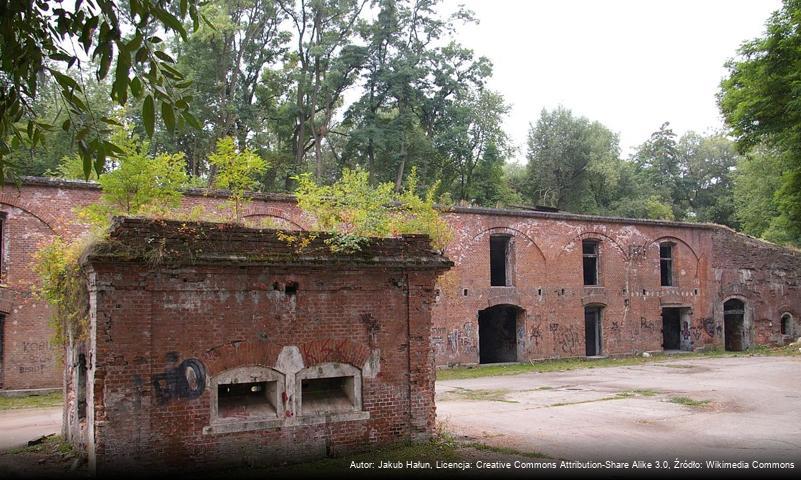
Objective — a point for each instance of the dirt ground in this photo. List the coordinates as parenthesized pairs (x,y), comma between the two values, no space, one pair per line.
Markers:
(738,409)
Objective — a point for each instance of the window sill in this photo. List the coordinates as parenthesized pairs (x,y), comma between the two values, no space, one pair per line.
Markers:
(330,418)
(234,426)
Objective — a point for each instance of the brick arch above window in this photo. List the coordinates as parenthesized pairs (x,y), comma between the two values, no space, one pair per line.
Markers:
(596,236)
(48,219)
(512,232)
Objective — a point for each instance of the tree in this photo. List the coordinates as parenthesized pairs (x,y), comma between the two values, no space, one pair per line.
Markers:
(227,61)
(707,185)
(759,101)
(562,151)
(757,194)
(470,126)
(138,183)
(660,167)
(236,172)
(39,36)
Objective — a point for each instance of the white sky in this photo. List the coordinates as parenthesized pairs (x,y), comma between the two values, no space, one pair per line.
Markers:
(630,64)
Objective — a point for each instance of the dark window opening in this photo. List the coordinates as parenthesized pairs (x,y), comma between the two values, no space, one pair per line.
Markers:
(592,331)
(666,264)
(243,400)
(589,249)
(497,341)
(2,335)
(785,324)
(499,260)
(81,395)
(291,288)
(327,395)
(2,238)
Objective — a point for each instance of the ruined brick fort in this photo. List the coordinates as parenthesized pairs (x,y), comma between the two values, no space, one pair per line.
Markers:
(526,284)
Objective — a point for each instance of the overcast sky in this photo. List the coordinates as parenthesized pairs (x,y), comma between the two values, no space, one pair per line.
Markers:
(630,64)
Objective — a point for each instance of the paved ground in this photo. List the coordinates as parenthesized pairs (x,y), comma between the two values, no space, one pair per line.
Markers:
(627,413)
(19,426)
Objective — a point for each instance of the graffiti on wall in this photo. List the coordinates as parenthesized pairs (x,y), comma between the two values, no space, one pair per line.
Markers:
(438,336)
(709,326)
(566,339)
(462,339)
(35,358)
(646,325)
(187,381)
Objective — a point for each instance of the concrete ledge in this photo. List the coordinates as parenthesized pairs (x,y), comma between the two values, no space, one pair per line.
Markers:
(265,424)
(330,418)
(242,426)
(29,392)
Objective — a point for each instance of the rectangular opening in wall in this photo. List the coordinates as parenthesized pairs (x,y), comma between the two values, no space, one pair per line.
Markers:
(328,395)
(589,250)
(245,400)
(666,264)
(2,334)
(81,396)
(499,260)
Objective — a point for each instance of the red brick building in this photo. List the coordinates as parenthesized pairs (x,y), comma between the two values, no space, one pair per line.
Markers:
(526,284)
(216,343)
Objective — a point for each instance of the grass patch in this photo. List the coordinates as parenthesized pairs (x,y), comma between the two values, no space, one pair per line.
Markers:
(617,396)
(689,402)
(566,364)
(32,401)
(504,450)
(485,395)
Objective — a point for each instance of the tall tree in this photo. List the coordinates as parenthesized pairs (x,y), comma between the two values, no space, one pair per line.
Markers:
(562,151)
(328,59)
(707,184)
(227,60)
(759,101)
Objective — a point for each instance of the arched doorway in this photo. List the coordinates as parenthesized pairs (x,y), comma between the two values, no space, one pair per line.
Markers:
(497,334)
(734,325)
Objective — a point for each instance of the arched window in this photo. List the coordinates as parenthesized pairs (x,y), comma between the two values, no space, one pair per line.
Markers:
(589,250)
(666,263)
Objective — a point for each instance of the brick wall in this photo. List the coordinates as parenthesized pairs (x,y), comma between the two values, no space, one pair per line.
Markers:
(765,277)
(548,285)
(222,301)
(33,213)
(547,289)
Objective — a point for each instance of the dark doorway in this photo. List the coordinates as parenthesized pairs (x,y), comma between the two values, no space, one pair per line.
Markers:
(592,330)
(734,325)
(671,328)
(497,339)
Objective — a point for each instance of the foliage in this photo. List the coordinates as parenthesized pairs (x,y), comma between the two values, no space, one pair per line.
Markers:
(563,151)
(759,101)
(758,191)
(355,210)
(40,36)
(139,183)
(63,286)
(235,172)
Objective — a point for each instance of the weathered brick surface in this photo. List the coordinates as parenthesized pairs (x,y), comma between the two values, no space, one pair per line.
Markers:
(34,212)
(712,264)
(148,319)
(768,280)
(548,283)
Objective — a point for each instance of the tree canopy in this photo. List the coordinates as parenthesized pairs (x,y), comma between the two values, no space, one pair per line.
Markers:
(759,100)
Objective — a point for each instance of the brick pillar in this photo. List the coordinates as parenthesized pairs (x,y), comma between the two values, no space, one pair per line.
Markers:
(422,375)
